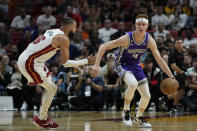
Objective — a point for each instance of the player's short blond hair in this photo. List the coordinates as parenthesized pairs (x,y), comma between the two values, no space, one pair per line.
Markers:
(142,16)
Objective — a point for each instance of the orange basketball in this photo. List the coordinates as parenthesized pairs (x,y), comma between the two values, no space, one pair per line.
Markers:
(169,86)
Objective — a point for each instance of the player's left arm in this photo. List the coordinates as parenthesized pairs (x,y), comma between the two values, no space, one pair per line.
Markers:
(74,63)
(153,47)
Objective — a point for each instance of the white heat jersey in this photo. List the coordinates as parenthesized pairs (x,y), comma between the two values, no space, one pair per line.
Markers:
(31,61)
(41,48)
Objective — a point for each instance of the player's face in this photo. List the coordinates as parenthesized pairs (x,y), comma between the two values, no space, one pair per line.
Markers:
(141,26)
(74,27)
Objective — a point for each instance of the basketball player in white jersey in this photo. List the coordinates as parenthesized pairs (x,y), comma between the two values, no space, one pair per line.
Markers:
(31,63)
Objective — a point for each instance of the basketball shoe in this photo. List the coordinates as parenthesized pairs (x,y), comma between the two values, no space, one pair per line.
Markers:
(142,122)
(126,118)
(48,123)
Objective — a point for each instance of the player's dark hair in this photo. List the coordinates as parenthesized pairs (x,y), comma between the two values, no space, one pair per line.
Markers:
(67,21)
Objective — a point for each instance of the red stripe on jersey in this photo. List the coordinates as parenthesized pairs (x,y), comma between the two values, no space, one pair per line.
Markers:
(29,65)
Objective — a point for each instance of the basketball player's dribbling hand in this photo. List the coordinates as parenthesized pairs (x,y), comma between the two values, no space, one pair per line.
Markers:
(91,59)
(173,95)
(94,71)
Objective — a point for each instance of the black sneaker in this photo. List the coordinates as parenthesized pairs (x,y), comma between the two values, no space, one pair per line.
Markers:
(163,106)
(126,118)
(142,122)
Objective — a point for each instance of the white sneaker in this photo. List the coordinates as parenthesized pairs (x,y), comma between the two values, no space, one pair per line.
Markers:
(24,106)
(113,108)
(126,118)
(142,122)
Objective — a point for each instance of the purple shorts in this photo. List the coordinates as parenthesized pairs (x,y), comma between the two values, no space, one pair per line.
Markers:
(135,69)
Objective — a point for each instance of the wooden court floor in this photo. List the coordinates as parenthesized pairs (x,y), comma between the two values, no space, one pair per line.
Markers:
(98,121)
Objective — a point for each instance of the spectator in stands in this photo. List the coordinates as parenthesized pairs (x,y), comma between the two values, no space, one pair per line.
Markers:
(111,90)
(78,40)
(5,37)
(161,31)
(3,16)
(4,78)
(169,8)
(185,7)
(160,42)
(120,32)
(46,20)
(14,53)
(94,15)
(193,50)
(153,76)
(84,9)
(164,51)
(58,78)
(94,39)
(4,6)
(74,51)
(88,92)
(86,30)
(84,51)
(170,46)
(193,3)
(41,30)
(106,32)
(51,3)
(159,17)
(190,97)
(20,21)
(2,50)
(176,63)
(92,48)
(130,15)
(76,17)
(23,43)
(6,67)
(192,20)
(178,20)
(187,61)
(15,87)
(118,12)
(32,28)
(189,39)
(169,37)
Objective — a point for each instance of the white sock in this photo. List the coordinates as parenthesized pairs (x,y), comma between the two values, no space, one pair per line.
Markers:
(139,113)
(50,90)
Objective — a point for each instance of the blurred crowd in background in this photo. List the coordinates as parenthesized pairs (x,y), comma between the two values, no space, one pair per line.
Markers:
(99,21)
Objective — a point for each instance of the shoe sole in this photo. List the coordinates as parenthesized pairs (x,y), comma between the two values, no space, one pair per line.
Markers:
(124,123)
(41,126)
(140,125)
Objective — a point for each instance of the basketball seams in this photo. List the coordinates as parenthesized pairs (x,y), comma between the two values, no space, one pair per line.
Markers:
(166,86)
(172,86)
(167,91)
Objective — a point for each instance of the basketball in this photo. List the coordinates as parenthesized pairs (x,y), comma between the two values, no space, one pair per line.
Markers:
(169,86)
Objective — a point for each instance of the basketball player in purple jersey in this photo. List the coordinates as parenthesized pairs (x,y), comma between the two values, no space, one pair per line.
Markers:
(127,64)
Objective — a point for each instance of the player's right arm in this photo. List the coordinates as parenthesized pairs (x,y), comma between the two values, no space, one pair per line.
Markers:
(63,43)
(122,41)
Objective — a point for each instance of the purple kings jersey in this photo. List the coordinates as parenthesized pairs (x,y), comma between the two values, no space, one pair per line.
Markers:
(128,59)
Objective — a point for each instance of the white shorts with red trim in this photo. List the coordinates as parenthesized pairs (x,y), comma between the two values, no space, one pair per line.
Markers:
(34,72)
